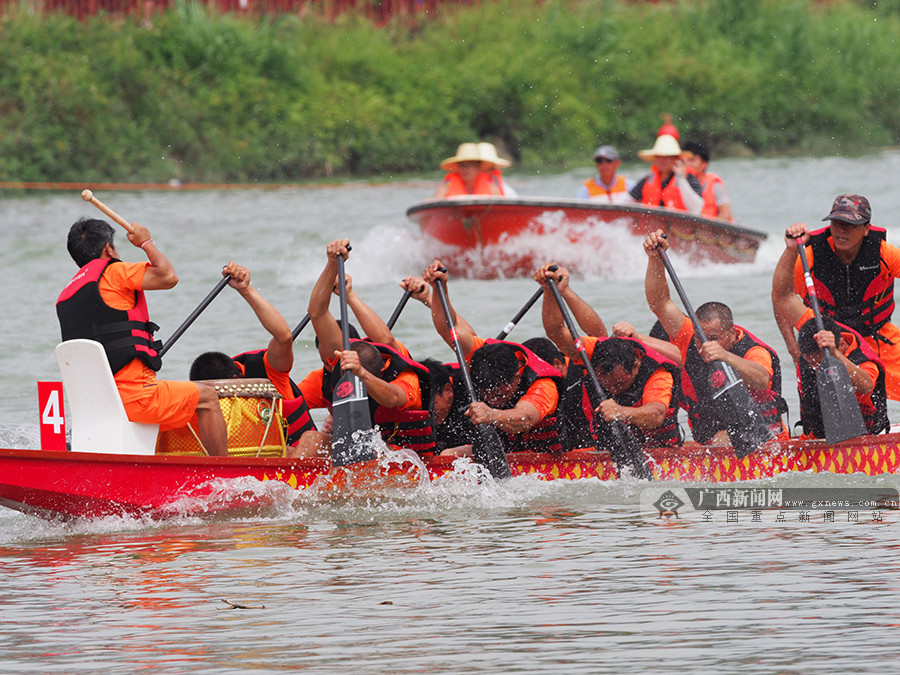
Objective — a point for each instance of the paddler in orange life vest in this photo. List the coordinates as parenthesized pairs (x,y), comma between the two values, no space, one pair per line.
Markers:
(642,384)
(607,186)
(865,370)
(716,203)
(472,171)
(754,361)
(394,382)
(518,391)
(670,183)
(105,302)
(273,363)
(853,268)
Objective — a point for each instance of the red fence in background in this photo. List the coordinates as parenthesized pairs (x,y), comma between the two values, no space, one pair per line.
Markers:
(379,11)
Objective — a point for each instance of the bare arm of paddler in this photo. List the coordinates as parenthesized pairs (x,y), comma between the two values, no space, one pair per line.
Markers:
(384,393)
(664,347)
(787,305)
(552,318)
(328,331)
(280,352)
(656,287)
(464,331)
(160,275)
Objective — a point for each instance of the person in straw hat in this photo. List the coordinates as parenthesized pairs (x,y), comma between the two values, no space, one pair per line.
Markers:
(670,183)
(473,170)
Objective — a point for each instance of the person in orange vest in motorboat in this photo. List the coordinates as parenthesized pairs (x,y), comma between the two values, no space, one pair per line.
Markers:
(607,185)
(105,302)
(864,370)
(670,183)
(468,174)
(853,268)
(716,203)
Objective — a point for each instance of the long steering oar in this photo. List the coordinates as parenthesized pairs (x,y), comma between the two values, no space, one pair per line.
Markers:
(487,449)
(627,450)
(745,425)
(223,282)
(838,404)
(390,322)
(350,402)
(522,312)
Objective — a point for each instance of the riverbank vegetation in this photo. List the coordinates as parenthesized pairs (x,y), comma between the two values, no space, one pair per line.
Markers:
(209,97)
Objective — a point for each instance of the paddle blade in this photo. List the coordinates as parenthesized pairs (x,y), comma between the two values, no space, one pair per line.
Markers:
(350,413)
(736,408)
(487,450)
(841,415)
(624,448)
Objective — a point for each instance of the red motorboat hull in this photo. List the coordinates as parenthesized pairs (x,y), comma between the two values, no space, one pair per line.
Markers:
(480,229)
(88,485)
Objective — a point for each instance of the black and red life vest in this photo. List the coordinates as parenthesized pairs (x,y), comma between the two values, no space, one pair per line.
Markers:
(875,415)
(413,429)
(703,414)
(856,295)
(125,334)
(667,434)
(294,409)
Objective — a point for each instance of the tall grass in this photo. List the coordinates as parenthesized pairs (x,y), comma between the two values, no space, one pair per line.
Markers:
(210,97)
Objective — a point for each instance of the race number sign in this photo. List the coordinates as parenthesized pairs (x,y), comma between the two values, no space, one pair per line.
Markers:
(53,416)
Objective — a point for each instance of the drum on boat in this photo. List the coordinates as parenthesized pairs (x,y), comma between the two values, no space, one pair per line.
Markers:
(252,411)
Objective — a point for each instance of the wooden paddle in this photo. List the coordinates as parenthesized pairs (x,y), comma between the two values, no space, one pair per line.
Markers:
(487,449)
(223,282)
(627,451)
(838,404)
(518,317)
(745,425)
(350,402)
(88,196)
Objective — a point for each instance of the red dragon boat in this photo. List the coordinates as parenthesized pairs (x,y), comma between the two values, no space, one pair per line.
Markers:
(116,467)
(478,231)
(65,485)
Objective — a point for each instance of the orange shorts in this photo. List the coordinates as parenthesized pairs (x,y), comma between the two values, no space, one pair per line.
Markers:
(151,401)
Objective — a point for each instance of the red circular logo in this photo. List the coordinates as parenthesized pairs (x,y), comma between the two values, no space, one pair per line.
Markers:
(343,390)
(717,379)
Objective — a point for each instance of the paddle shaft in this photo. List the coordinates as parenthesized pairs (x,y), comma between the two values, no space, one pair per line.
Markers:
(299,327)
(681,294)
(457,347)
(518,317)
(88,196)
(579,346)
(193,315)
(810,287)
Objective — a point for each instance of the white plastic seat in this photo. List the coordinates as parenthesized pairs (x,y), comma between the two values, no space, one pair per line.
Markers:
(98,419)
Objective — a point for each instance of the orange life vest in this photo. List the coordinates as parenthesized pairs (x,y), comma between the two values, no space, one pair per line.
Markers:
(596,190)
(456,188)
(653,194)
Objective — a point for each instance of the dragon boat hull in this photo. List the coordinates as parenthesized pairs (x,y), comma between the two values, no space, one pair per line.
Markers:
(478,230)
(63,485)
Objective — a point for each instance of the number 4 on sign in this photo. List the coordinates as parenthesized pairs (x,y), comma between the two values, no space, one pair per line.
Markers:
(53,416)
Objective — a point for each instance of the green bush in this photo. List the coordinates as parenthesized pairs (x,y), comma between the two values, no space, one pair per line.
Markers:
(209,97)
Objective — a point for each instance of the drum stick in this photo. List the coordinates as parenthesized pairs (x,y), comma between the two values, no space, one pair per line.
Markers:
(88,196)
